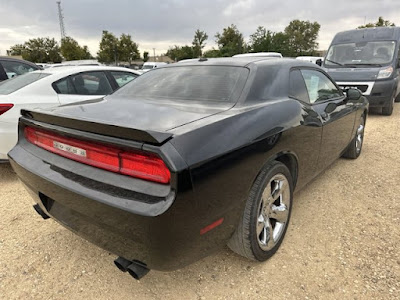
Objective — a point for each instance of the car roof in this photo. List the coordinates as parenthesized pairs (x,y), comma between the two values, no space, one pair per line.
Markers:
(17,59)
(242,62)
(67,70)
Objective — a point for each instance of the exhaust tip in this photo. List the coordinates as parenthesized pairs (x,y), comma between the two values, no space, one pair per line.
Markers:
(122,263)
(41,212)
(137,270)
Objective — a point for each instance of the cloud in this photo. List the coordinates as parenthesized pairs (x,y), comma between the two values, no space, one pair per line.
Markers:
(160,24)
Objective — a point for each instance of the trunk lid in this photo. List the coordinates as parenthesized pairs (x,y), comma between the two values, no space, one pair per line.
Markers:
(139,120)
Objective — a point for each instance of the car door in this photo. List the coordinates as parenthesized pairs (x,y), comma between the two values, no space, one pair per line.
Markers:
(82,86)
(336,114)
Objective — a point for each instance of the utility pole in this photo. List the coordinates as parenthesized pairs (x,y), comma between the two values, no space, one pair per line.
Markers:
(61,20)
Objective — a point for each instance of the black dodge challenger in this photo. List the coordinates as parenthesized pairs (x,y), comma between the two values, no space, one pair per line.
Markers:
(188,158)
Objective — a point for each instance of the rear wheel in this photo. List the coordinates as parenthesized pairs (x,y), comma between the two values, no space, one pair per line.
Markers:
(266,215)
(355,147)
(388,110)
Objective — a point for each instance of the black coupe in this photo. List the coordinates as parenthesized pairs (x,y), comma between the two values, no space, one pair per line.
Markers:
(189,157)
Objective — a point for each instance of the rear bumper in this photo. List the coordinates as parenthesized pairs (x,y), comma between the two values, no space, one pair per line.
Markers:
(8,138)
(161,231)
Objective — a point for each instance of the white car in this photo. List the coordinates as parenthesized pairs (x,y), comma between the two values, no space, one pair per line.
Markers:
(53,87)
(311,59)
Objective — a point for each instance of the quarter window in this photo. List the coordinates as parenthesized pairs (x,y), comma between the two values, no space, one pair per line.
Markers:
(319,86)
(123,78)
(297,86)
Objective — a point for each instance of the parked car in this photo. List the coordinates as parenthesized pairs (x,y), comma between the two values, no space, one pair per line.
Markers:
(147,66)
(260,54)
(12,67)
(312,59)
(368,59)
(189,157)
(53,87)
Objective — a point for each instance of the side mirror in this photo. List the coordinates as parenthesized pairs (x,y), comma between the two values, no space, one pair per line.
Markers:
(353,94)
(319,62)
(330,107)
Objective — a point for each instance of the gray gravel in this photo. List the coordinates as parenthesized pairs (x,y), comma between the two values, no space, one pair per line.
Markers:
(343,242)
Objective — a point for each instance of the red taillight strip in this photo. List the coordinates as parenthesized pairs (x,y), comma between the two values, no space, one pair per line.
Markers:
(5,107)
(142,165)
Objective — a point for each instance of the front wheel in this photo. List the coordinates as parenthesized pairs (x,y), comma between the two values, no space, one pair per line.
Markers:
(355,147)
(388,110)
(266,216)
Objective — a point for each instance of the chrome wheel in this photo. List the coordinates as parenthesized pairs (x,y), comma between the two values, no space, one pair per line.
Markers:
(273,212)
(359,137)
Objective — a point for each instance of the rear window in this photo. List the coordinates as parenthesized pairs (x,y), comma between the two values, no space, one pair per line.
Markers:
(11,85)
(188,83)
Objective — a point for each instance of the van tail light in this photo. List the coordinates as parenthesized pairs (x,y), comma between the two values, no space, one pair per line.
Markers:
(137,164)
(5,107)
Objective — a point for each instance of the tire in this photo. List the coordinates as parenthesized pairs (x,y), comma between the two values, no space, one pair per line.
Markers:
(263,216)
(354,149)
(397,98)
(388,110)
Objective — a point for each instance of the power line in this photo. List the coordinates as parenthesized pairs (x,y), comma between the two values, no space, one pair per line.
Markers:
(61,20)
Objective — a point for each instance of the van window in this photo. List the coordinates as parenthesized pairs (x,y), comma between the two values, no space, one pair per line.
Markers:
(363,53)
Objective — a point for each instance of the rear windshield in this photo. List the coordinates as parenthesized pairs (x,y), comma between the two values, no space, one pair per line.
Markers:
(361,53)
(11,85)
(187,83)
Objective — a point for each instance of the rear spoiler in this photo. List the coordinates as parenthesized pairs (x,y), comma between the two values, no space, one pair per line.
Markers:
(147,136)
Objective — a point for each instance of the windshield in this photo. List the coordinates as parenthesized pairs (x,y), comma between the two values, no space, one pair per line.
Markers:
(11,85)
(188,83)
(147,67)
(363,53)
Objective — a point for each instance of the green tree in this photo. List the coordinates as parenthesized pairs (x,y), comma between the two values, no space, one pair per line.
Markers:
(380,23)
(178,53)
(212,53)
(71,50)
(127,49)
(108,49)
(230,41)
(261,40)
(280,42)
(145,56)
(302,37)
(38,50)
(199,42)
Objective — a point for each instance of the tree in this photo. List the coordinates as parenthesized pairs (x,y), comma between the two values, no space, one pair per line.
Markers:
(302,37)
(127,49)
(261,40)
(38,50)
(178,53)
(212,53)
(198,42)
(145,56)
(230,41)
(280,42)
(108,48)
(380,23)
(71,50)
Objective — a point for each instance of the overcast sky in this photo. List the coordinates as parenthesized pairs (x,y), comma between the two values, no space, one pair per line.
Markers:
(160,24)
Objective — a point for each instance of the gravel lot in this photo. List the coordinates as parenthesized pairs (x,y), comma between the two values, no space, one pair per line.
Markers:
(343,242)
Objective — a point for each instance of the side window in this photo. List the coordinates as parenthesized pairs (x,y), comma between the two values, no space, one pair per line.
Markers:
(319,86)
(91,83)
(64,86)
(14,68)
(123,78)
(297,86)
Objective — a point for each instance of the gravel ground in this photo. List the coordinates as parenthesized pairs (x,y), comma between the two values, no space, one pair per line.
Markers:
(343,242)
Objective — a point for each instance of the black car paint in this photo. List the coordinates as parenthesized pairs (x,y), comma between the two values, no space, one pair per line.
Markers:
(214,159)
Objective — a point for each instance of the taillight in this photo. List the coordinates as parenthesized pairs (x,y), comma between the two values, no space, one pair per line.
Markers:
(142,165)
(5,107)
